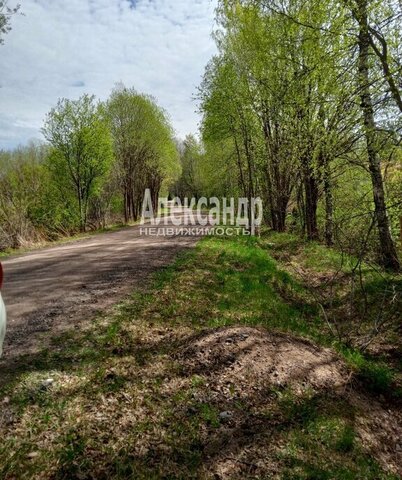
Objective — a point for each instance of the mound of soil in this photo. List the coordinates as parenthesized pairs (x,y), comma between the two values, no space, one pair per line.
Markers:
(247,366)
(254,357)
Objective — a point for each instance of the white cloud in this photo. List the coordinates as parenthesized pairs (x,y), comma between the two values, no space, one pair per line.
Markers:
(64,49)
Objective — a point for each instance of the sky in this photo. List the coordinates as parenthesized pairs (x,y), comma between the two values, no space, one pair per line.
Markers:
(60,48)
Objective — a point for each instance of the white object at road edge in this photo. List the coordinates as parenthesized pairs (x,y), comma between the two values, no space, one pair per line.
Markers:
(3,321)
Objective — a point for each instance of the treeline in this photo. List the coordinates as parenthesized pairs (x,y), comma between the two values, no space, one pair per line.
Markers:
(98,160)
(302,106)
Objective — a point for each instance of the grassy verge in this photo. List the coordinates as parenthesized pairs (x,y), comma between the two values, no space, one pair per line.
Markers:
(328,275)
(9,252)
(72,238)
(117,401)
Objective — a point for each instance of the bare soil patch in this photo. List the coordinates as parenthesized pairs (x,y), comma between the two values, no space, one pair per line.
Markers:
(252,357)
(252,367)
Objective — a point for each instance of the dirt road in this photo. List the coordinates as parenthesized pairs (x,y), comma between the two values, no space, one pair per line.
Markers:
(60,287)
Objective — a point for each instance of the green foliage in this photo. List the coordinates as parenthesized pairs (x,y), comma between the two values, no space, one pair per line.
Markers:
(6,13)
(145,150)
(82,151)
(191,181)
(24,188)
(278,123)
(394,190)
(99,161)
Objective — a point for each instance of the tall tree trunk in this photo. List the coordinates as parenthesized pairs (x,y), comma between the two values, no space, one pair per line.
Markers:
(250,168)
(281,215)
(389,257)
(311,200)
(269,197)
(329,206)
(268,175)
(81,209)
(278,180)
(239,164)
(127,204)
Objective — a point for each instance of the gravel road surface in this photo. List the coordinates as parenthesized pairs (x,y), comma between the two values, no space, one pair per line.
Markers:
(60,287)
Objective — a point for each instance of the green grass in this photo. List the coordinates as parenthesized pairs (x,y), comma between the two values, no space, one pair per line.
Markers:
(378,377)
(124,406)
(242,285)
(331,266)
(315,255)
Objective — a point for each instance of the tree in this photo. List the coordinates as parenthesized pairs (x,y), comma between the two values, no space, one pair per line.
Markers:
(190,183)
(230,125)
(365,74)
(389,256)
(23,185)
(301,92)
(144,147)
(82,149)
(273,91)
(5,18)
(385,34)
